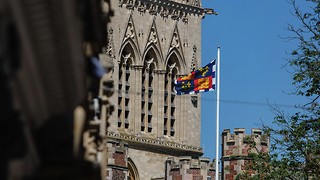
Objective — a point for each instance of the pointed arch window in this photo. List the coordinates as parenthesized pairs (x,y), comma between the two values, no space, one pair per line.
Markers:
(124,90)
(169,98)
(147,91)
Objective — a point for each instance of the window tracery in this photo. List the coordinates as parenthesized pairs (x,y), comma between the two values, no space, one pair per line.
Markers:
(169,97)
(124,76)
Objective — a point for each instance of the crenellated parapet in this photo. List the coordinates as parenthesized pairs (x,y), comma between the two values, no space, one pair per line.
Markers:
(186,167)
(237,145)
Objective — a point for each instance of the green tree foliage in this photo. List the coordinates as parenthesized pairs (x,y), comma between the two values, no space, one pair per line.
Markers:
(295,143)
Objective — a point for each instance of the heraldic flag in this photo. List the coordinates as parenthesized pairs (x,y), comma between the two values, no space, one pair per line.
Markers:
(200,80)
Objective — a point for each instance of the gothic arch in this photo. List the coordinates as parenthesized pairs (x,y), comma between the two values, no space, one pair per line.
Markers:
(133,170)
(152,52)
(130,38)
(153,42)
(176,49)
(175,57)
(129,47)
(126,59)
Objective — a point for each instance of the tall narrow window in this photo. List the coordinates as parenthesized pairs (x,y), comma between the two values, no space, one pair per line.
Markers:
(124,89)
(120,97)
(150,94)
(127,95)
(172,103)
(147,95)
(166,103)
(169,99)
(143,99)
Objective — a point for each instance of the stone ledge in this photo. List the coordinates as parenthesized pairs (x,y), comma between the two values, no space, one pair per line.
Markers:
(153,144)
(164,7)
(229,158)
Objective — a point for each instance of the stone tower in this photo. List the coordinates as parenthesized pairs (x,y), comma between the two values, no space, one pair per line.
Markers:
(235,150)
(151,43)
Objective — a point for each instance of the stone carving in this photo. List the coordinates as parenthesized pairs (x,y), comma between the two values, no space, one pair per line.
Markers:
(150,141)
(153,9)
(171,66)
(189,2)
(130,4)
(110,46)
(153,38)
(194,61)
(125,58)
(142,7)
(175,43)
(130,30)
(175,15)
(149,62)
(121,3)
(164,12)
(196,3)
(175,9)
(184,17)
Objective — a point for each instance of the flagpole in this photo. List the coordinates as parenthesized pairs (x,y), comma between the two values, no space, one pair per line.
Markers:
(218,114)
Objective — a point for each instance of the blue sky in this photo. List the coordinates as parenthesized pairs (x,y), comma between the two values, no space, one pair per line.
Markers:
(252,58)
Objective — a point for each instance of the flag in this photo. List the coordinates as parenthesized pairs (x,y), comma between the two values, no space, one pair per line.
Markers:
(200,80)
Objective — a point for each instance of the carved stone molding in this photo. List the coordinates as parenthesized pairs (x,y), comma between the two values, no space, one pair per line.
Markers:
(194,61)
(155,142)
(176,41)
(110,46)
(153,9)
(130,4)
(175,9)
(137,67)
(153,38)
(160,71)
(130,31)
(164,12)
(141,7)
(171,66)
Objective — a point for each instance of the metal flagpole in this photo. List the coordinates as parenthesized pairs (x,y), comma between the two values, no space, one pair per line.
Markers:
(218,114)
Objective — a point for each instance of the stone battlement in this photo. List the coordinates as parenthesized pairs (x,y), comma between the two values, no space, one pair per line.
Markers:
(239,137)
(236,146)
(185,167)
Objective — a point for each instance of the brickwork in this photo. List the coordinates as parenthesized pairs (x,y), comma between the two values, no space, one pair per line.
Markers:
(211,174)
(175,174)
(235,149)
(118,174)
(117,160)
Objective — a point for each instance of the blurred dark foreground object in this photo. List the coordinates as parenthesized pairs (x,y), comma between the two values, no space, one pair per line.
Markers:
(43,72)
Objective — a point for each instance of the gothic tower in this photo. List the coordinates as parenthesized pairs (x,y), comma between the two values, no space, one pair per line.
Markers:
(151,43)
